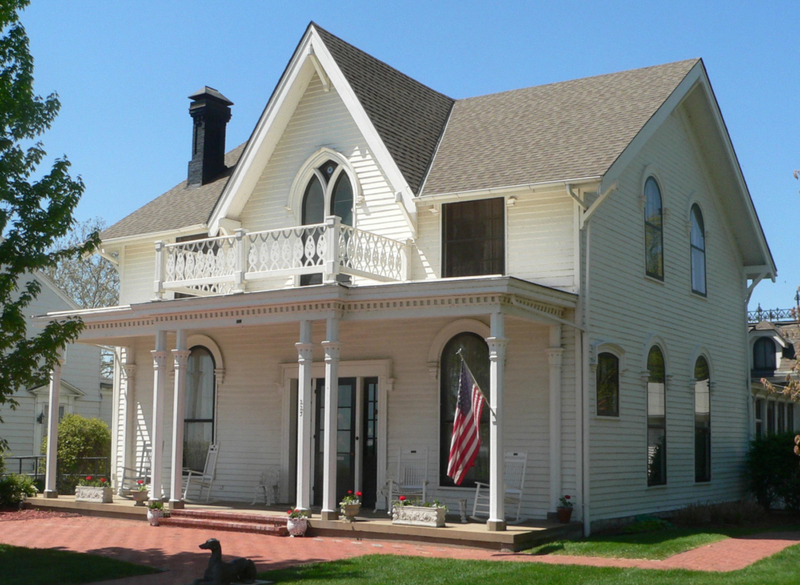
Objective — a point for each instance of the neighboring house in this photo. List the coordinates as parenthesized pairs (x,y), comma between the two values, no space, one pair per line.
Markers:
(588,246)
(82,389)
(773,351)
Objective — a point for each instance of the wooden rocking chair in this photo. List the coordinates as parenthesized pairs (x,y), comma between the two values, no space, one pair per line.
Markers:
(515,464)
(206,478)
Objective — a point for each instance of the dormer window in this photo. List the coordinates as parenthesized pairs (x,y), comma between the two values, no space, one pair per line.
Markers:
(764,357)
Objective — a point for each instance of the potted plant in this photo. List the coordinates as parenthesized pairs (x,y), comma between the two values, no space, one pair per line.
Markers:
(155,511)
(139,494)
(564,510)
(297,524)
(351,505)
(426,514)
(93,489)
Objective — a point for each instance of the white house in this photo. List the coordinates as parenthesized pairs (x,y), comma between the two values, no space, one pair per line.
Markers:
(590,246)
(82,390)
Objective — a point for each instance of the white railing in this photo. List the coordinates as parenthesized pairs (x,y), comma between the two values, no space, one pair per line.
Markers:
(227,263)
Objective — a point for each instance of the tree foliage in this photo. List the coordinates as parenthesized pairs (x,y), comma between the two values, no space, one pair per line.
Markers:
(90,281)
(35,210)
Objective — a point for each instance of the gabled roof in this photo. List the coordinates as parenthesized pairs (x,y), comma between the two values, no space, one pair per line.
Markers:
(562,131)
(182,206)
(408,115)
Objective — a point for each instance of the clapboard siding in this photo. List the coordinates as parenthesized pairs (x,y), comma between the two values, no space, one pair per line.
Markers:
(322,120)
(138,273)
(627,308)
(249,420)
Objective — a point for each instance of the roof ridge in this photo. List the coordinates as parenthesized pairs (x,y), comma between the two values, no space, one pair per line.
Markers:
(579,79)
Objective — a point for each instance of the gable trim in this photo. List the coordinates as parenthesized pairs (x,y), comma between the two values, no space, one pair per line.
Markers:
(310,53)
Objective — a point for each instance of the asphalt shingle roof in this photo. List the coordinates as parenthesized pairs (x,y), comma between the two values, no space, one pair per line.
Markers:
(560,131)
(408,115)
(568,130)
(181,206)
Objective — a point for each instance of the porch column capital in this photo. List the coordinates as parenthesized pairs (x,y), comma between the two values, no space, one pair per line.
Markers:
(159,358)
(497,348)
(305,352)
(332,350)
(130,371)
(181,358)
(554,356)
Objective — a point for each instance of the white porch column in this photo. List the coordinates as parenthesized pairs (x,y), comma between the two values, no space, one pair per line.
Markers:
(305,357)
(128,423)
(332,347)
(554,359)
(181,356)
(497,356)
(159,380)
(52,431)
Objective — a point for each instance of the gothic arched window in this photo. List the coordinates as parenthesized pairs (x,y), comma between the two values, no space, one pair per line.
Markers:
(653,230)
(656,418)
(698,247)
(702,421)
(475,352)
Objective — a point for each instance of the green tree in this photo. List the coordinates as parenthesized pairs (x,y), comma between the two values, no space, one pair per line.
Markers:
(35,210)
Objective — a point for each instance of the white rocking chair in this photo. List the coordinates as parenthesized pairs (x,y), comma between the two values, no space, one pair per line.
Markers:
(206,478)
(269,482)
(515,464)
(412,475)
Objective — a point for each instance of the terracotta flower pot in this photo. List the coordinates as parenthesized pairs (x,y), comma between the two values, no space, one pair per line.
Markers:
(564,514)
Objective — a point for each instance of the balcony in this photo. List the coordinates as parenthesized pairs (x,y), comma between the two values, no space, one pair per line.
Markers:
(228,264)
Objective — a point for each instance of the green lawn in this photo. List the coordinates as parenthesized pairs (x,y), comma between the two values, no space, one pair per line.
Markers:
(777,570)
(651,545)
(39,566)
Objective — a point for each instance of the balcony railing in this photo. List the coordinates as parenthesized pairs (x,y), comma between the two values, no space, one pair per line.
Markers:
(226,264)
(772,315)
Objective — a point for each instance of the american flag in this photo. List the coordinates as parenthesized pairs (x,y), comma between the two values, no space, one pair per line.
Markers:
(466,426)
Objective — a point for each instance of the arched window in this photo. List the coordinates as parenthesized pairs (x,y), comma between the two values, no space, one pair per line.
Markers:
(328,189)
(475,352)
(656,419)
(764,357)
(702,421)
(698,247)
(653,230)
(198,429)
(607,385)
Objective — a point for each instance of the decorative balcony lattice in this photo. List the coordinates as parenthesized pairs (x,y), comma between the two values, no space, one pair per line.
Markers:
(772,315)
(225,264)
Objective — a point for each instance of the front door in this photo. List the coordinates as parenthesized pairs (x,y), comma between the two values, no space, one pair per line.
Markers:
(356,444)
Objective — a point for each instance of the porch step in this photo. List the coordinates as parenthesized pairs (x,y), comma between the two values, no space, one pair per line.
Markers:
(228,521)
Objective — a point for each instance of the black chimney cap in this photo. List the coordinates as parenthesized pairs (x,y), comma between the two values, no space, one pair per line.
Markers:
(212,93)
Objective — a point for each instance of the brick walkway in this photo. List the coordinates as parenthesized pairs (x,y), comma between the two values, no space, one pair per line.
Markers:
(176,549)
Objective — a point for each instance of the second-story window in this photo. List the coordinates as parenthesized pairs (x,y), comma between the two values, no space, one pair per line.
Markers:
(653,230)
(698,247)
(329,192)
(473,238)
(607,384)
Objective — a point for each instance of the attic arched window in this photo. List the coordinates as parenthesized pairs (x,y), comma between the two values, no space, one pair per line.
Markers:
(328,192)
(698,247)
(764,356)
(653,230)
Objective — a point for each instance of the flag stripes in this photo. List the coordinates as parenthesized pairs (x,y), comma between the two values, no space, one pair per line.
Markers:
(466,441)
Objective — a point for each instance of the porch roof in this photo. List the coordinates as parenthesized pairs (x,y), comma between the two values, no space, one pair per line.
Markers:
(421,299)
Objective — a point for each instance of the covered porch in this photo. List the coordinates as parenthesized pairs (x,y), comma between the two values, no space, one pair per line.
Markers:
(279,356)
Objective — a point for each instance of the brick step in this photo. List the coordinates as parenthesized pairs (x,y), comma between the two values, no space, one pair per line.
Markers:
(226,525)
(230,517)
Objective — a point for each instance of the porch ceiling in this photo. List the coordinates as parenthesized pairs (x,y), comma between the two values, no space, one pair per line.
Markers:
(456,297)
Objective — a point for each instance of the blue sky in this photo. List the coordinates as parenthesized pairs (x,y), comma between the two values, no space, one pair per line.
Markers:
(123,71)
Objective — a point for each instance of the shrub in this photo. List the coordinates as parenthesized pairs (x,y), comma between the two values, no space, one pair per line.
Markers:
(646,523)
(14,488)
(773,472)
(739,513)
(79,438)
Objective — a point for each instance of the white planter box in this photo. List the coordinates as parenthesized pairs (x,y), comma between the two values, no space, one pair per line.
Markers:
(419,516)
(98,495)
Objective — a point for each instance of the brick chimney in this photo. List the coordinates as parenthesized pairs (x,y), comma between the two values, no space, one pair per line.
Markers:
(210,111)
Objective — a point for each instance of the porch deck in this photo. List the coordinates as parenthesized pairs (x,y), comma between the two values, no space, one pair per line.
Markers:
(369,526)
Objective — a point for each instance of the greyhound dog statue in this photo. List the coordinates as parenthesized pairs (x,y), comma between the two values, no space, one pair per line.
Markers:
(222,573)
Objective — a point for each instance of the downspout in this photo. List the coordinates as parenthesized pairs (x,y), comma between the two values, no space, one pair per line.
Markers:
(583,438)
